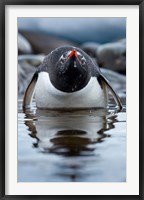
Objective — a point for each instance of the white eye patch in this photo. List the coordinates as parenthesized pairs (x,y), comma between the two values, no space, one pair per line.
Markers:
(81,56)
(63,58)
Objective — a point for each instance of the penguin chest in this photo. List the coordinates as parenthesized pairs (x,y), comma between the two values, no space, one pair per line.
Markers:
(47,96)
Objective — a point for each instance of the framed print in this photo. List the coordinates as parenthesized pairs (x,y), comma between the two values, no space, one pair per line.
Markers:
(71,89)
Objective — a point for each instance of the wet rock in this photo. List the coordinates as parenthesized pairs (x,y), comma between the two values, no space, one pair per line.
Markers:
(112,56)
(90,48)
(109,55)
(32,59)
(26,68)
(23,77)
(44,43)
(23,45)
(117,80)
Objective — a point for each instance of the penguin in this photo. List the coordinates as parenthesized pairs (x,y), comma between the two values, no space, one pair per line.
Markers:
(69,79)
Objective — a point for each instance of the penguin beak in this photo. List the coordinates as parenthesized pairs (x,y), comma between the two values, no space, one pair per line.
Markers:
(76,56)
(73,53)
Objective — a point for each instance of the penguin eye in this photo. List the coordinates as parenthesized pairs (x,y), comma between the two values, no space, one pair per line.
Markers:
(62,59)
(83,60)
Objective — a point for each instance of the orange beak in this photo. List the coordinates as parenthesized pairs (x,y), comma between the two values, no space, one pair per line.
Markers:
(73,53)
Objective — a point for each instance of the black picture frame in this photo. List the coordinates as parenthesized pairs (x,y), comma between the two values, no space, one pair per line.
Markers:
(3,3)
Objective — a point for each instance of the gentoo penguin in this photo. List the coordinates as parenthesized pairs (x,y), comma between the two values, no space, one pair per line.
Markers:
(69,79)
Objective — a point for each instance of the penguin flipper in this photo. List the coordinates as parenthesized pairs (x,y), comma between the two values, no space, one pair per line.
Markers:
(30,91)
(115,96)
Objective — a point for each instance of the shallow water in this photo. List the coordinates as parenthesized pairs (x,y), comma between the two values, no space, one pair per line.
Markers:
(81,146)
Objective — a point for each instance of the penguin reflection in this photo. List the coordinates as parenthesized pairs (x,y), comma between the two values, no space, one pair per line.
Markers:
(68,133)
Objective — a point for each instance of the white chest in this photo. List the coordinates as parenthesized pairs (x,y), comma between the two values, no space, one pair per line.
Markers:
(47,96)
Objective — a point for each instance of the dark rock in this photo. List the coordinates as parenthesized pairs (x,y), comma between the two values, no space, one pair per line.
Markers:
(90,48)
(26,68)
(44,43)
(117,80)
(24,47)
(112,56)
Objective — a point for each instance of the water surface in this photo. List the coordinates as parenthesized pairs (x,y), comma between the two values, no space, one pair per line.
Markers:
(78,146)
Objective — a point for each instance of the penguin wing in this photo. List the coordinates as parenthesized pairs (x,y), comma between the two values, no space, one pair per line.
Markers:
(30,91)
(115,96)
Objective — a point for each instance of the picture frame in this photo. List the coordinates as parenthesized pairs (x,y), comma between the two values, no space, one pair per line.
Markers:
(3,101)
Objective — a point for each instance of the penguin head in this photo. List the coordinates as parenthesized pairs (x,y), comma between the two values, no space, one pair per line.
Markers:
(68,68)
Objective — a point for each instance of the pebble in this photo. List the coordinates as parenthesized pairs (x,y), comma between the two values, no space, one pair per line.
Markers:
(112,56)
(24,47)
(25,72)
(90,48)
(117,80)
